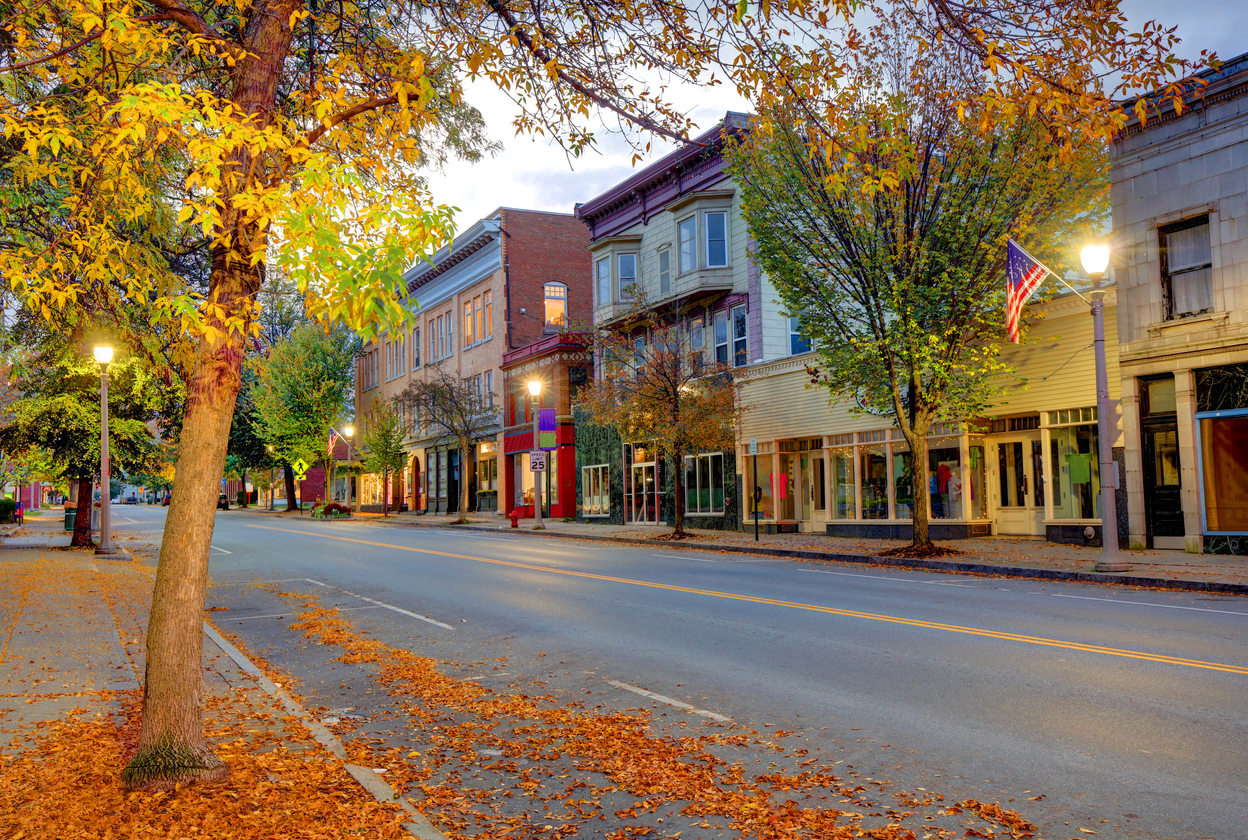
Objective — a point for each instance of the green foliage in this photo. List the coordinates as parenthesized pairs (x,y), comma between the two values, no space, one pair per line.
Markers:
(7,508)
(383,441)
(305,385)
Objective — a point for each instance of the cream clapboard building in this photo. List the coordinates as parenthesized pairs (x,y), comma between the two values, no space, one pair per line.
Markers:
(1030,469)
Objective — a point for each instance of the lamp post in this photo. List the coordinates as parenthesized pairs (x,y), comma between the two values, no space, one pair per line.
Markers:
(349,431)
(104,355)
(535,388)
(272,489)
(1095,259)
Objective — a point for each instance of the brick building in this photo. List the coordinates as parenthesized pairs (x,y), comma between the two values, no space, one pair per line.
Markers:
(506,281)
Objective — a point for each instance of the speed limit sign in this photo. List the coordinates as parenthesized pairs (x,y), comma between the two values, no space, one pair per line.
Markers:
(537,461)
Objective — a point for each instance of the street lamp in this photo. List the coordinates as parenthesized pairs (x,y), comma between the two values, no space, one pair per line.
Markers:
(272,489)
(349,431)
(535,388)
(104,355)
(1095,259)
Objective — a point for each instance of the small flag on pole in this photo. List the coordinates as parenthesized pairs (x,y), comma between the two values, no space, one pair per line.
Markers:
(1024,273)
(333,438)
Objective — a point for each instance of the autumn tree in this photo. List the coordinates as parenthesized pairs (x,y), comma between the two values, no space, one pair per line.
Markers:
(899,281)
(656,383)
(268,129)
(383,447)
(303,386)
(455,411)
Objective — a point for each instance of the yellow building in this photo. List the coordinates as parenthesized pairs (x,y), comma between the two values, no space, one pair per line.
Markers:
(1029,469)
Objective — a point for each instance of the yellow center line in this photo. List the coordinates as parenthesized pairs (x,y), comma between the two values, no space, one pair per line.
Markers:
(797,605)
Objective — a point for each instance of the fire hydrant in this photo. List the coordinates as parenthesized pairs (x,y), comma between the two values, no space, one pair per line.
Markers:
(514,516)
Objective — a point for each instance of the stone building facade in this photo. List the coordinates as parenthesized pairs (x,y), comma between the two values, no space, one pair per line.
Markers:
(1180,208)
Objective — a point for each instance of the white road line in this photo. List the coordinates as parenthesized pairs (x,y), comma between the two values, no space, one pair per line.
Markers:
(128,519)
(891,579)
(682,557)
(670,701)
(222,550)
(291,614)
(1146,604)
(362,598)
(497,539)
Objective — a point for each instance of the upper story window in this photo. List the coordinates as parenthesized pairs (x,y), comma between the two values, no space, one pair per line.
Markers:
(1186,268)
(415,347)
(556,307)
(716,240)
(721,337)
(487,305)
(665,272)
(696,338)
(468,323)
(433,340)
(798,343)
(740,337)
(687,241)
(450,331)
(602,271)
(626,276)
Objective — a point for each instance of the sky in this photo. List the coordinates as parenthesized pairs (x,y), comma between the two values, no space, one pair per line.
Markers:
(535,174)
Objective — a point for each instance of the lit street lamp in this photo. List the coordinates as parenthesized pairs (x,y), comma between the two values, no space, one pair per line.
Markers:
(104,355)
(535,388)
(1095,259)
(349,431)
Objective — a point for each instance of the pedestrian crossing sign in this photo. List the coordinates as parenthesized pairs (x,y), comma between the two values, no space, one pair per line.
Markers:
(301,469)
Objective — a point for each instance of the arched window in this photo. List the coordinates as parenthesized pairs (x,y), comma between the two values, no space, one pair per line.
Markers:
(556,307)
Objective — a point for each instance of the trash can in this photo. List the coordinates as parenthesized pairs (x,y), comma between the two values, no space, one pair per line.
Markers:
(70,515)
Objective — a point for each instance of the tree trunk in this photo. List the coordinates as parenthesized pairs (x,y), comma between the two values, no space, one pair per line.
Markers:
(171,747)
(82,519)
(678,497)
(246,495)
(288,474)
(919,475)
(463,481)
(385,492)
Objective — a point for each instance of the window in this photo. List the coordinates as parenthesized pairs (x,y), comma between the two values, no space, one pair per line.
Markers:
(697,339)
(1186,269)
(415,347)
(844,498)
(433,340)
(704,483)
(487,474)
(639,353)
(450,332)
(740,341)
(603,273)
(798,343)
(488,305)
(721,337)
(716,240)
(489,389)
(556,307)
(402,365)
(478,392)
(1224,461)
(687,239)
(665,272)
(596,490)
(468,323)
(1074,464)
(479,313)
(441,338)
(627,276)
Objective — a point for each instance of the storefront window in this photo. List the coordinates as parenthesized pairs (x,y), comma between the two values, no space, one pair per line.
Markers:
(1224,459)
(766,508)
(1076,473)
(903,482)
(945,486)
(487,474)
(842,483)
(704,483)
(785,487)
(874,468)
(595,490)
(976,483)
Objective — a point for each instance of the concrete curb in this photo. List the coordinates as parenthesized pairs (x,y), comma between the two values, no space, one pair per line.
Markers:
(904,562)
(417,824)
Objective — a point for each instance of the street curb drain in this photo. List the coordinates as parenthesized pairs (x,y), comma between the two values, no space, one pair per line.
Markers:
(417,824)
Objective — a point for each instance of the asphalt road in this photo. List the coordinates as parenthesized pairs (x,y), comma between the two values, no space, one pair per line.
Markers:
(1124,709)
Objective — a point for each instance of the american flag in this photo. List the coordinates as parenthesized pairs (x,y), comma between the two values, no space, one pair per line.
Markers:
(333,438)
(1024,273)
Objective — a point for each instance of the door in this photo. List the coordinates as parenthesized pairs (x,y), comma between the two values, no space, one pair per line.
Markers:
(785,487)
(1018,485)
(1163,507)
(644,504)
(452,483)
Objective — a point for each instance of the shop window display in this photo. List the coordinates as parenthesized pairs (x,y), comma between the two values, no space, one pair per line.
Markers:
(843,497)
(874,468)
(1076,473)
(903,483)
(945,482)
(1224,455)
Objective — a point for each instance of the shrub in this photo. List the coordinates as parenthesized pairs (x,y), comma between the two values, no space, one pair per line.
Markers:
(7,506)
(240,498)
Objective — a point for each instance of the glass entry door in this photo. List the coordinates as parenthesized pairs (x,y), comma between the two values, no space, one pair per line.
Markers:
(643,495)
(1162,503)
(1019,485)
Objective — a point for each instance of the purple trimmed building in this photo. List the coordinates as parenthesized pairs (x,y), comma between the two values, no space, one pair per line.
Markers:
(675,230)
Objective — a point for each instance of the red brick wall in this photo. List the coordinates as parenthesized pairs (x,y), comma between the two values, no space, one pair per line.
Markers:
(542,248)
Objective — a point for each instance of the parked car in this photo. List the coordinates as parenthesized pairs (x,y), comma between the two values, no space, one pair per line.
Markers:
(166,500)
(223,502)
(130,501)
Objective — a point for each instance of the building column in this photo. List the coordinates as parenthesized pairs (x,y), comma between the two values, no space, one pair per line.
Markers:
(1133,456)
(1189,457)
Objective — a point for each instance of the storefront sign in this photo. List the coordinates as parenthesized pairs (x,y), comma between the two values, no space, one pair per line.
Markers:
(537,461)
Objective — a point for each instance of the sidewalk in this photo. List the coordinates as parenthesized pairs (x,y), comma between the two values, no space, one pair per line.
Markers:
(1009,556)
(72,639)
